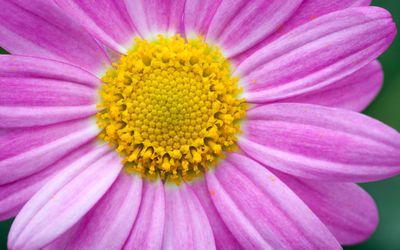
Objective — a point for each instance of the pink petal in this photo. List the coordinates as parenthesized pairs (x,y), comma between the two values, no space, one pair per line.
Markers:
(186,223)
(346,209)
(108,224)
(39,28)
(238,25)
(261,211)
(39,92)
(29,150)
(354,92)
(321,143)
(224,239)
(74,168)
(106,20)
(307,11)
(34,67)
(317,54)
(36,116)
(156,16)
(198,16)
(147,232)
(35,92)
(64,200)
(62,241)
(13,196)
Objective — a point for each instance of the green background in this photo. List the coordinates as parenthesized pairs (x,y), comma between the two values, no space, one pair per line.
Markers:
(386,108)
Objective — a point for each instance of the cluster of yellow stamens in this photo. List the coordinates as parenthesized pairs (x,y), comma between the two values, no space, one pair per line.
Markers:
(170,108)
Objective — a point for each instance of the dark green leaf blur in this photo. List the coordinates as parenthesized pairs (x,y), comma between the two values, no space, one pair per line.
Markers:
(385,108)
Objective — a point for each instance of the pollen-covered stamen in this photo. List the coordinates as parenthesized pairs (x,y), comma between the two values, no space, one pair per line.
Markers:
(170,108)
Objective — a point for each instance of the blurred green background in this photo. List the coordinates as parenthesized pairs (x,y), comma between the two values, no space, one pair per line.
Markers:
(386,108)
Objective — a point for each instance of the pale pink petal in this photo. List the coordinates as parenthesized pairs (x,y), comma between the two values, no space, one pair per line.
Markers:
(13,196)
(147,232)
(106,20)
(39,28)
(355,92)
(36,92)
(307,11)
(36,116)
(346,209)
(321,143)
(198,16)
(112,54)
(240,24)
(108,224)
(63,201)
(29,150)
(62,241)
(73,169)
(44,92)
(224,239)
(261,211)
(34,67)
(316,54)
(186,223)
(153,17)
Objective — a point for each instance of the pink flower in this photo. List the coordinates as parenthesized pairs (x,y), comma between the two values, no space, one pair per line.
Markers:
(306,66)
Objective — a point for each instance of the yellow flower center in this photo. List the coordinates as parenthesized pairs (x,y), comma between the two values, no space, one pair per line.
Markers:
(170,108)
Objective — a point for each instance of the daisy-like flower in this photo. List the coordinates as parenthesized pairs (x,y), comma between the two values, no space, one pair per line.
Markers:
(148,124)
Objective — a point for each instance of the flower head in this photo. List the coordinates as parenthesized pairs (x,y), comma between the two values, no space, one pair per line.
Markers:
(208,124)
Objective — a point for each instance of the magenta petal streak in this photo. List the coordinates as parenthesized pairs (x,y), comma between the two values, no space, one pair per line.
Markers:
(316,54)
(39,28)
(224,239)
(261,211)
(346,209)
(321,143)
(36,96)
(198,16)
(27,151)
(156,17)
(307,11)
(239,25)
(354,92)
(107,20)
(148,230)
(27,67)
(186,223)
(64,200)
(13,196)
(107,225)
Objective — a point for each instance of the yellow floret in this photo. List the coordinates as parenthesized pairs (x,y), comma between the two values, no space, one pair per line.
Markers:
(170,108)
